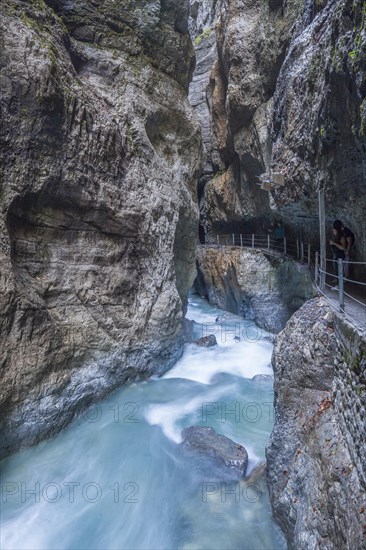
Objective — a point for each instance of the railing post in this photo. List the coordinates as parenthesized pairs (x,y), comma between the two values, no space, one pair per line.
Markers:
(297,248)
(233,239)
(284,246)
(309,255)
(253,240)
(302,252)
(322,269)
(323,240)
(241,240)
(341,284)
(316,267)
(268,241)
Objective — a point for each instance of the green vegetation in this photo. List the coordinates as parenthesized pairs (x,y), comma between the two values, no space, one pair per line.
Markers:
(319,4)
(355,47)
(29,22)
(38,4)
(218,174)
(355,53)
(202,36)
(39,24)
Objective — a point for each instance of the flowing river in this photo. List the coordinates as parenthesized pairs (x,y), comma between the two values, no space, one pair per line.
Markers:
(118,478)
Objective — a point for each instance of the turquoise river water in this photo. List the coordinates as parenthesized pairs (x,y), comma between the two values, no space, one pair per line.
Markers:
(118,478)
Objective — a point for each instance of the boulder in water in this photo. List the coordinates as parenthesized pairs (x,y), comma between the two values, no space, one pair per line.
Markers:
(226,316)
(257,474)
(205,440)
(207,341)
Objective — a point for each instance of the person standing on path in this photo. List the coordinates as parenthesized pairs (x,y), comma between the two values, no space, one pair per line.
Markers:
(339,246)
(350,241)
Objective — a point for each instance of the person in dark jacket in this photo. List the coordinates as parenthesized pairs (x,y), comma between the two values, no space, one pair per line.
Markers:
(350,241)
(338,245)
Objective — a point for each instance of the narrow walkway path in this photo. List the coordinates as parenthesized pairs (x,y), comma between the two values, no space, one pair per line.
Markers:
(353,311)
(354,304)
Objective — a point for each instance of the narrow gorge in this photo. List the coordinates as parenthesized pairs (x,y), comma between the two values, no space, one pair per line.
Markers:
(133,135)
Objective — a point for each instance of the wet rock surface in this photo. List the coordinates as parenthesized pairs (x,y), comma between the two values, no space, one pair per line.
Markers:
(323,75)
(239,48)
(262,378)
(100,155)
(271,64)
(257,474)
(252,284)
(315,476)
(206,441)
(206,341)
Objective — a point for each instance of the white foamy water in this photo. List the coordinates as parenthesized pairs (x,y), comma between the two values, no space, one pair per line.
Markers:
(169,415)
(242,348)
(240,359)
(118,478)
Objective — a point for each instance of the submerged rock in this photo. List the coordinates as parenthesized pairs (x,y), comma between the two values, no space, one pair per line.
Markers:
(207,341)
(262,378)
(257,473)
(205,440)
(226,317)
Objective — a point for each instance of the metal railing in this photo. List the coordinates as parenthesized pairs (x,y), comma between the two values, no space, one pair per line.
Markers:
(303,252)
(340,279)
(295,249)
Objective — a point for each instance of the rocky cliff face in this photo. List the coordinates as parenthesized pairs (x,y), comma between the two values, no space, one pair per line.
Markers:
(324,77)
(316,457)
(98,202)
(240,47)
(286,91)
(253,284)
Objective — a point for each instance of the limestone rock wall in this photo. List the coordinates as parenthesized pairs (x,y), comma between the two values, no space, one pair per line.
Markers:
(316,467)
(100,158)
(240,47)
(349,391)
(287,91)
(324,78)
(252,283)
